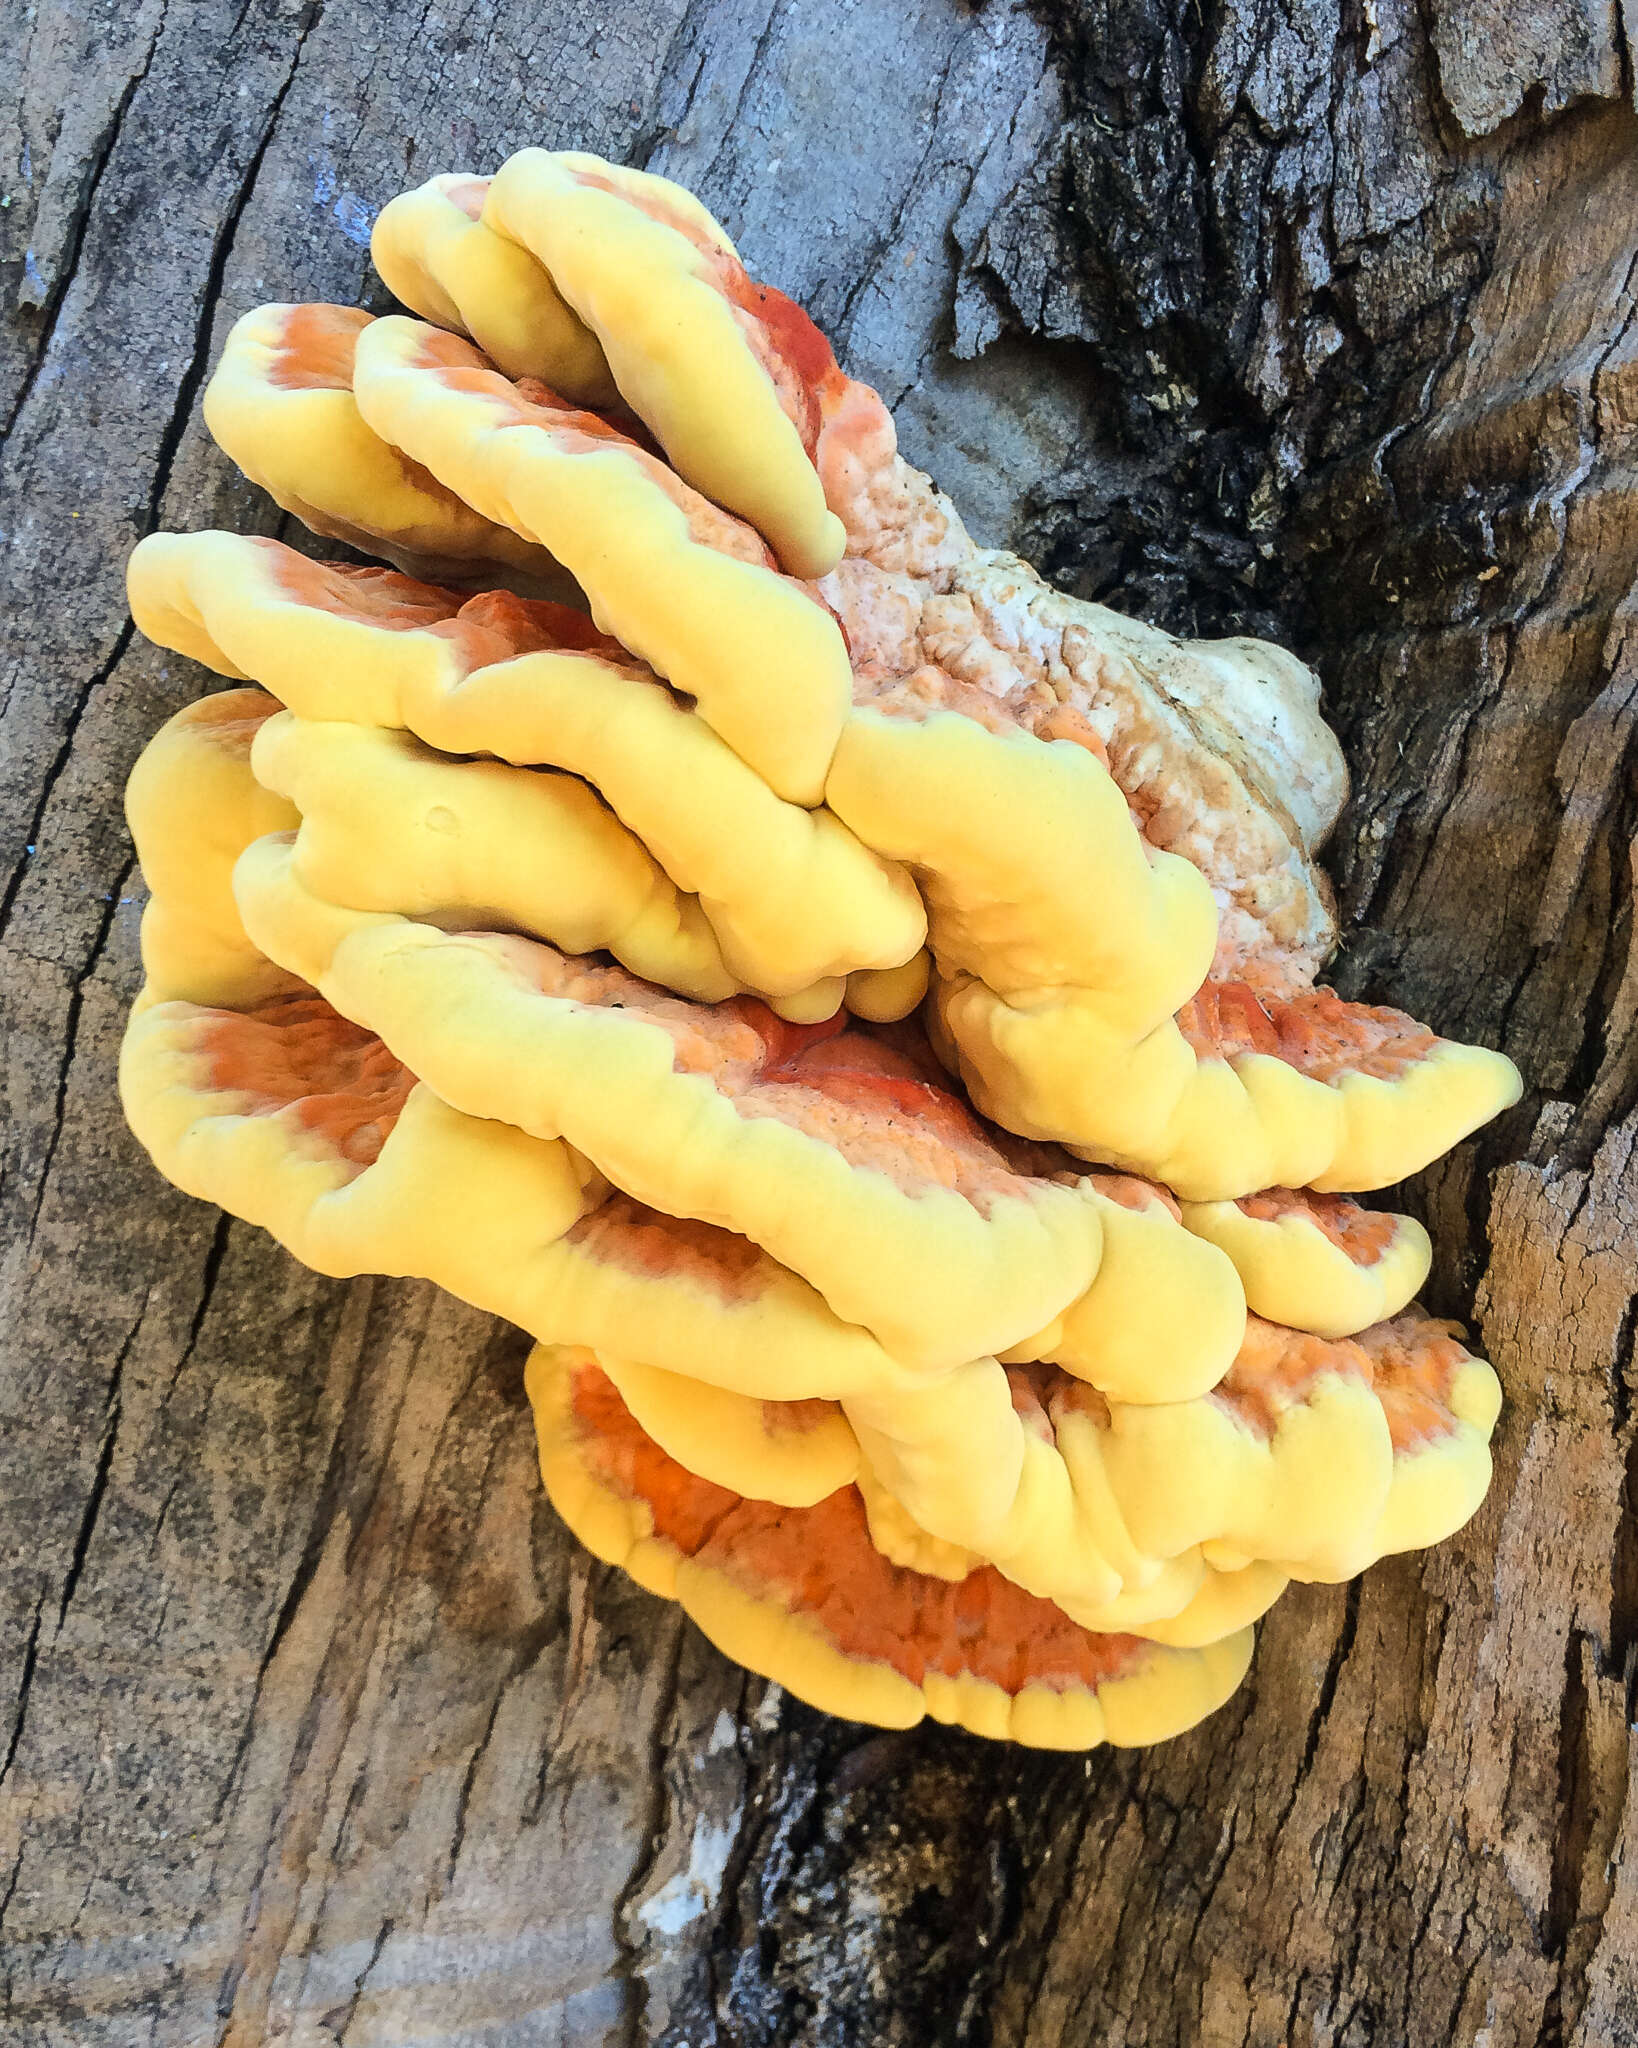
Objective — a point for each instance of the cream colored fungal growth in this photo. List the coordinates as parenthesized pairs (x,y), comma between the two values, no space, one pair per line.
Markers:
(854,1006)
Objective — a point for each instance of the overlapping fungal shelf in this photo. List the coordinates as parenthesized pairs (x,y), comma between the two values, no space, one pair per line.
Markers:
(854,1006)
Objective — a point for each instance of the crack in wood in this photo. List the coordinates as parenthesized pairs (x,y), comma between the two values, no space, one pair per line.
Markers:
(84,205)
(215,276)
(629,1946)
(30,835)
(1263,1877)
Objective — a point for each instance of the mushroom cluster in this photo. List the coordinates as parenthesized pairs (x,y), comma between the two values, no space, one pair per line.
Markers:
(853,1005)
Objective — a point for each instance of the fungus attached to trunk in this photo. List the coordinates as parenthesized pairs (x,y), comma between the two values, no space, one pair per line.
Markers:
(281,403)
(797,903)
(804,1597)
(854,1006)
(1317,1262)
(689,588)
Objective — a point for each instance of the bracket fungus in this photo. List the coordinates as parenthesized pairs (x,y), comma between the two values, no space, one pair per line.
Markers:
(804,1596)
(280,402)
(859,1005)
(797,902)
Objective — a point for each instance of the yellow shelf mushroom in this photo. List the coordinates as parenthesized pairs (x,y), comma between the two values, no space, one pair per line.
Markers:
(803,1596)
(280,402)
(1017,1423)
(687,587)
(795,900)
(1317,1262)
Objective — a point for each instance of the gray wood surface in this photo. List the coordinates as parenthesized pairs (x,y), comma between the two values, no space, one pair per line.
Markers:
(314,1727)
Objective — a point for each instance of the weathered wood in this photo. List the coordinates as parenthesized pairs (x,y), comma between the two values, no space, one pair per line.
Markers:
(313,1726)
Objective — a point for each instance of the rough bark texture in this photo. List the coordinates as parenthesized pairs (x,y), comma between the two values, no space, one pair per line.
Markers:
(1313,315)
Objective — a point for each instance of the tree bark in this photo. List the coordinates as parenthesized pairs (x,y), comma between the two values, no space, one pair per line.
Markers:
(1310,317)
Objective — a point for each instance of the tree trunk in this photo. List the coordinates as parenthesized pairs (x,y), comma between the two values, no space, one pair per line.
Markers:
(1313,317)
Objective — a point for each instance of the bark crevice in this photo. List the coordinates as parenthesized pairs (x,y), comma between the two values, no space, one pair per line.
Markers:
(1307,319)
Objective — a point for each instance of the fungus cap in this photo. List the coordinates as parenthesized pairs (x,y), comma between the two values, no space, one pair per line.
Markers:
(941,1249)
(686,587)
(280,403)
(926,787)
(1317,1262)
(1442,1405)
(1309,1456)
(387,823)
(292,1118)
(802,1597)
(715,365)
(792,1453)
(1199,1104)
(299,1122)
(193,805)
(436,253)
(796,901)
(1186,1602)
(1165,1314)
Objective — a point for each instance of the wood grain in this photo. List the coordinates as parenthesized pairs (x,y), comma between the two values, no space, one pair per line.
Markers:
(314,1727)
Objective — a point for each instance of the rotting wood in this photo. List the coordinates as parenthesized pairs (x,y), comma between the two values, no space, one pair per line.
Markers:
(313,1727)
